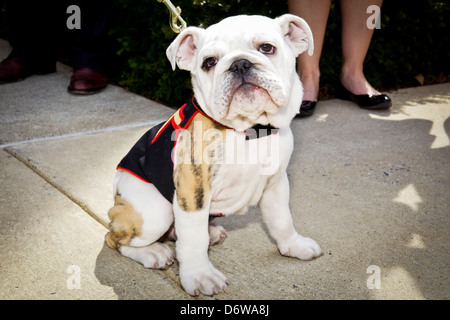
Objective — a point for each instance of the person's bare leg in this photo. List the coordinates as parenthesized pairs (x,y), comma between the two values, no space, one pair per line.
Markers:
(315,13)
(356,37)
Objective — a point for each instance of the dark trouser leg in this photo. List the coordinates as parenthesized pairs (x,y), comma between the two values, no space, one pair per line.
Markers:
(90,44)
(33,33)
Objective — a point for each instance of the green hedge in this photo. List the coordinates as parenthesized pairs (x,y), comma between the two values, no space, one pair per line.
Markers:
(413,39)
(142,32)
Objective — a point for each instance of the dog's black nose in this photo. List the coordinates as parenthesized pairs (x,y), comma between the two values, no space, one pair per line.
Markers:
(241,66)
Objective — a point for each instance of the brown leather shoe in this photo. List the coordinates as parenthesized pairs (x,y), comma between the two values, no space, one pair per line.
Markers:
(14,69)
(87,81)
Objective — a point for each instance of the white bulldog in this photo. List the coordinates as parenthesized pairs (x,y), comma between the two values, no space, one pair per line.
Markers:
(231,147)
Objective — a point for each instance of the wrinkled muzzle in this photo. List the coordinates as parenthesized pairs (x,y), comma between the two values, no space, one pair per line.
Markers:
(248,89)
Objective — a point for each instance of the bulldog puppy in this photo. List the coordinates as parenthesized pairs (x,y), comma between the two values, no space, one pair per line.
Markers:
(228,149)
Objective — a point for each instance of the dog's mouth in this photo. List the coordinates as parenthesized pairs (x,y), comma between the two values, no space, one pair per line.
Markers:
(249,101)
(251,93)
(247,88)
(248,98)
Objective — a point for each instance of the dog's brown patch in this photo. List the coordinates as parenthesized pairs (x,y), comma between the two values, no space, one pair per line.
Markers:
(196,149)
(125,223)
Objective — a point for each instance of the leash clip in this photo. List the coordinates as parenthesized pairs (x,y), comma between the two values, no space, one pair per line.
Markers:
(177,24)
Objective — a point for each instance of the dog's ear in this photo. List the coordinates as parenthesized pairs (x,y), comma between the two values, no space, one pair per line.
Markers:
(183,49)
(296,33)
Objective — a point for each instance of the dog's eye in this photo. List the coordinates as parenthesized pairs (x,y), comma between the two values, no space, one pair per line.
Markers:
(209,63)
(267,48)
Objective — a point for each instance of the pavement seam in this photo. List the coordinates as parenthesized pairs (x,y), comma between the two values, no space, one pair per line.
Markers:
(83,134)
(79,203)
(169,274)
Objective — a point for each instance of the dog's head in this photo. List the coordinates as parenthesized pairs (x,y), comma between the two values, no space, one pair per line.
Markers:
(243,68)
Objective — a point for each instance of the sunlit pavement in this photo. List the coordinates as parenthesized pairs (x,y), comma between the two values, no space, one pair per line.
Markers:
(371,187)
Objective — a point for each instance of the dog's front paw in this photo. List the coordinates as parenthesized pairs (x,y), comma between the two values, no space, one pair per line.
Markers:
(301,248)
(207,280)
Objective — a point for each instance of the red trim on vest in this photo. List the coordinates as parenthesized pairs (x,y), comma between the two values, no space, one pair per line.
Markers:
(131,172)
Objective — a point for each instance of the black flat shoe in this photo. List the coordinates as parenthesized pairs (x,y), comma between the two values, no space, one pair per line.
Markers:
(306,109)
(365,101)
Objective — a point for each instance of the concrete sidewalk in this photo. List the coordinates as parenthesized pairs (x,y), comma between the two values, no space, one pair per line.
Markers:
(372,188)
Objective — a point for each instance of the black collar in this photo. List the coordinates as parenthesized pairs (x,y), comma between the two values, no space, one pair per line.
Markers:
(255,132)
(260,131)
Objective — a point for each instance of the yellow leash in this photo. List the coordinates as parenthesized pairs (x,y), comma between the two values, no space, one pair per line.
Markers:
(177,24)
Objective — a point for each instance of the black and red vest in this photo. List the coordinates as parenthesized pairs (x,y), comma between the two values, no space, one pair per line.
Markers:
(150,159)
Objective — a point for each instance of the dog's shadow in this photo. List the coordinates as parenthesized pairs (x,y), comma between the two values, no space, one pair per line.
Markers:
(248,222)
(236,222)
(130,280)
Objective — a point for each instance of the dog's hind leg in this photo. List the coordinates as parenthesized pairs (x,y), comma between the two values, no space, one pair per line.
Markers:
(139,218)
(156,255)
(217,233)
